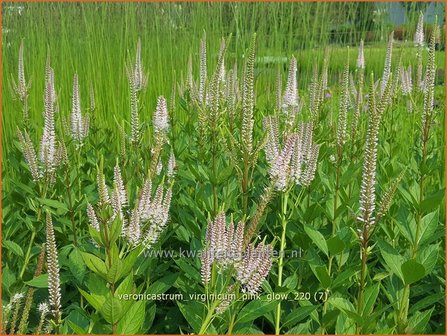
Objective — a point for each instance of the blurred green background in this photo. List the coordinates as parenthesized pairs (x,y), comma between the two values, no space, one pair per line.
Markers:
(96,39)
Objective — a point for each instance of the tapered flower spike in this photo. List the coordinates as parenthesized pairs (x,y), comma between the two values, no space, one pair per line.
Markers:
(419,35)
(48,142)
(387,197)
(102,188)
(54,287)
(429,92)
(406,80)
(161,119)
(154,211)
(43,309)
(368,184)
(290,98)
(134,229)
(280,171)
(272,145)
(387,67)
(119,186)
(79,123)
(134,113)
(29,153)
(361,57)
(343,109)
(93,221)
(171,165)
(140,78)
(224,244)
(305,155)
(203,68)
(20,87)
(16,301)
(254,267)
(267,195)
(248,100)
(205,271)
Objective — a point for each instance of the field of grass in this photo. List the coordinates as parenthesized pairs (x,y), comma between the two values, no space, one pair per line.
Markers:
(332,173)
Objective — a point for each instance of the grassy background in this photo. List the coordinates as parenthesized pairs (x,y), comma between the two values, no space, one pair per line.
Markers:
(95,40)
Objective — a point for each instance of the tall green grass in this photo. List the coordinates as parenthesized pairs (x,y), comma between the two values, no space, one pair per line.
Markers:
(95,40)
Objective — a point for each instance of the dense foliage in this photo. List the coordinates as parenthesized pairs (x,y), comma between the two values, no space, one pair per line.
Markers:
(264,194)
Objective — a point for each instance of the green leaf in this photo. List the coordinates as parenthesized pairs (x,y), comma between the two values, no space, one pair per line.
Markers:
(95,264)
(370,297)
(255,309)
(77,329)
(322,275)
(433,201)
(77,321)
(115,230)
(417,324)
(60,207)
(291,282)
(192,311)
(13,247)
(8,277)
(129,261)
(335,245)
(392,259)
(95,300)
(111,310)
(317,238)
(132,321)
(96,235)
(188,269)
(76,264)
(412,271)
(428,226)
(428,256)
(300,329)
(114,271)
(162,285)
(298,314)
(126,286)
(40,281)
(347,308)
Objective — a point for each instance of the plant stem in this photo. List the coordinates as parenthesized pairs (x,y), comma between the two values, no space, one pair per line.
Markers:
(245,184)
(403,307)
(283,216)
(70,205)
(28,253)
(208,318)
(231,325)
(214,168)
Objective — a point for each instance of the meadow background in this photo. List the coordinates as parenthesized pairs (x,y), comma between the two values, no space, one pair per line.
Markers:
(97,40)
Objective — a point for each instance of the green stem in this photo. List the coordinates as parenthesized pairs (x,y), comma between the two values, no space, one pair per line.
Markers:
(214,152)
(284,200)
(231,325)
(28,253)
(360,295)
(245,184)
(403,308)
(208,318)
(70,206)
